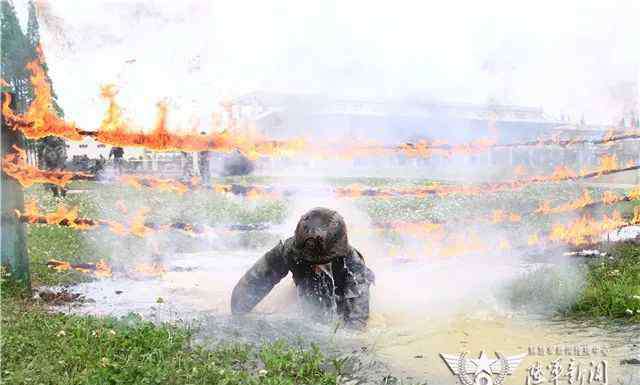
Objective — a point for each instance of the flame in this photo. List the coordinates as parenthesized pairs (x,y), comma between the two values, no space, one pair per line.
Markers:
(562,173)
(585,230)
(65,216)
(99,270)
(62,216)
(103,269)
(41,119)
(504,245)
(520,170)
(152,269)
(169,185)
(15,165)
(463,244)
(533,240)
(609,197)
(610,134)
(138,227)
(117,131)
(499,216)
(412,228)
(607,163)
(634,194)
(584,200)
(59,265)
(515,217)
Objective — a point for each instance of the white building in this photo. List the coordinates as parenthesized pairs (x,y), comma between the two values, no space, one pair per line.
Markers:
(93,149)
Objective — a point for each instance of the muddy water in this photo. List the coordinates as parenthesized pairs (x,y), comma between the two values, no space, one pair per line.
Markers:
(412,344)
(418,312)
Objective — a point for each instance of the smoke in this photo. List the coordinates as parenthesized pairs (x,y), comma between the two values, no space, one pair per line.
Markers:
(563,57)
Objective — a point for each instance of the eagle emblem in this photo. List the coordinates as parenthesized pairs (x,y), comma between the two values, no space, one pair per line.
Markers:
(481,370)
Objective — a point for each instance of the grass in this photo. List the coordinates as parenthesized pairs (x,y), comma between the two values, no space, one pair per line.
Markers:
(613,285)
(43,348)
(605,287)
(39,347)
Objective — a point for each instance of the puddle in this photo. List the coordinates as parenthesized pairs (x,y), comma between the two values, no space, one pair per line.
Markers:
(418,312)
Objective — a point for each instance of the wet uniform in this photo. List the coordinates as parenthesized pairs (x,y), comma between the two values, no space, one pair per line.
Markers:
(53,157)
(331,276)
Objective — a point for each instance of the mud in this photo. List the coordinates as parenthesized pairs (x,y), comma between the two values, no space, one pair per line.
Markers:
(419,311)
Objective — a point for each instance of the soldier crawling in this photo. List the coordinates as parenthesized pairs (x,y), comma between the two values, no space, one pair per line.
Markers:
(330,275)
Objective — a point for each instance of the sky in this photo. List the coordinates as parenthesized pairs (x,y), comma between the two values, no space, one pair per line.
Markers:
(563,56)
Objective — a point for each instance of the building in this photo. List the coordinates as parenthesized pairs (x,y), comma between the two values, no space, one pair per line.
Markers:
(393,121)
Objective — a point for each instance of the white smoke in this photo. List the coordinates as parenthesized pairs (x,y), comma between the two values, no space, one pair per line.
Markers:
(562,56)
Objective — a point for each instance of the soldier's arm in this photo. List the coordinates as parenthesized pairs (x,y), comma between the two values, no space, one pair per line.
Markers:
(353,297)
(259,280)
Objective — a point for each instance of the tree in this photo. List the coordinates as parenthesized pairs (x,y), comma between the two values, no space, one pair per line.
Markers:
(14,54)
(33,41)
(18,50)
(14,50)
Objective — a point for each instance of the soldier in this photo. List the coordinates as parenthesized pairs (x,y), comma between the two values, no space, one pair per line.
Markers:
(187,166)
(53,156)
(236,163)
(330,275)
(118,158)
(203,165)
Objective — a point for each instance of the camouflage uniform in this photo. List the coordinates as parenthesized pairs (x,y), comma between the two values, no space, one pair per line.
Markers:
(330,275)
(53,156)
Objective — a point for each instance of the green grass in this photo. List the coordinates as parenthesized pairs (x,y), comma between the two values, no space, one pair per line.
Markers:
(39,347)
(43,348)
(613,285)
(606,287)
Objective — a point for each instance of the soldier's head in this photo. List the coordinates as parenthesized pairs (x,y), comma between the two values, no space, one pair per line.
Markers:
(321,235)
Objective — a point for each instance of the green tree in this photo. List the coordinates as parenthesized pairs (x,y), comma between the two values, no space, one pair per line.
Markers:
(33,41)
(14,54)
(18,50)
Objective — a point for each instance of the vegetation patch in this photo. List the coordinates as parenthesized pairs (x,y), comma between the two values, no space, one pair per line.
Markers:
(607,286)
(43,348)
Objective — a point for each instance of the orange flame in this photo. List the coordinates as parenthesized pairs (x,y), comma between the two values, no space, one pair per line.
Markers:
(607,163)
(62,215)
(155,183)
(609,197)
(99,270)
(152,269)
(137,223)
(15,165)
(585,230)
(533,240)
(69,217)
(41,119)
